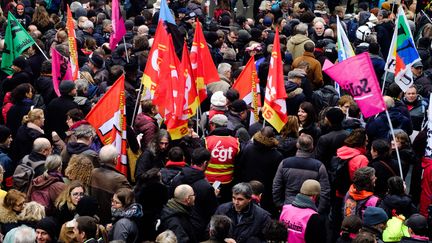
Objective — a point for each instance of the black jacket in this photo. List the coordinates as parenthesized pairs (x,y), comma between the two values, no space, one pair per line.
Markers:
(401,203)
(16,113)
(328,144)
(56,115)
(44,87)
(383,173)
(177,217)
(251,225)
(23,142)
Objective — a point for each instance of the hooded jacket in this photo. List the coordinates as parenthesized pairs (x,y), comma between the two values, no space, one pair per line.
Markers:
(363,200)
(79,148)
(45,189)
(356,157)
(295,45)
(295,97)
(125,227)
(401,203)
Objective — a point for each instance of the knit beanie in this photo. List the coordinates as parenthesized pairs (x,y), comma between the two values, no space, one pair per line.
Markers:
(50,226)
(374,216)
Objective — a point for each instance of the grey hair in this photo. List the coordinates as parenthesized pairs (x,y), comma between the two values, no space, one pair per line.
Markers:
(389,101)
(166,237)
(244,189)
(301,28)
(223,67)
(87,25)
(85,131)
(181,192)
(108,154)
(53,162)
(24,234)
(81,84)
(305,143)
(40,144)
(106,22)
(220,226)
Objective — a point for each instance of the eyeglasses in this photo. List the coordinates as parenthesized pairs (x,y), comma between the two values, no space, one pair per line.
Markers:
(77,194)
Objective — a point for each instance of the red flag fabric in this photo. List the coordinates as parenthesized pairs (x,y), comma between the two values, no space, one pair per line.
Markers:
(61,69)
(73,59)
(119,29)
(274,110)
(155,60)
(202,63)
(191,88)
(108,117)
(247,84)
(170,94)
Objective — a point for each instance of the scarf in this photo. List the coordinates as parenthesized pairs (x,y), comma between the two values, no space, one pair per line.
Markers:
(303,201)
(176,206)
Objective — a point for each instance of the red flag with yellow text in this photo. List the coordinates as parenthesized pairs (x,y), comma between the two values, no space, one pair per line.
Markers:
(274,110)
(170,94)
(108,117)
(155,60)
(247,84)
(203,66)
(73,51)
(191,89)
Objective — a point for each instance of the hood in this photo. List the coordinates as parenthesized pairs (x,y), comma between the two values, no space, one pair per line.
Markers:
(192,175)
(76,148)
(290,86)
(134,211)
(397,201)
(346,152)
(298,39)
(358,195)
(43,181)
(426,162)
(261,140)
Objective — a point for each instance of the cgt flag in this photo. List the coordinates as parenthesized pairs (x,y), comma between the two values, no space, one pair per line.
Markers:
(108,117)
(248,88)
(16,41)
(191,90)
(360,82)
(274,110)
(403,53)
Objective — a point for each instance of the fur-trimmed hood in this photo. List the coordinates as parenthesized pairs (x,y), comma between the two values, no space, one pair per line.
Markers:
(259,138)
(7,216)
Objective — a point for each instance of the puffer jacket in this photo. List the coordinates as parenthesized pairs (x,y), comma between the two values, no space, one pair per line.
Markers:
(146,125)
(295,45)
(356,157)
(125,227)
(177,217)
(291,174)
(426,187)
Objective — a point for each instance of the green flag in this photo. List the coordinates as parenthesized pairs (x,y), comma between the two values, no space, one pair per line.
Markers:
(16,41)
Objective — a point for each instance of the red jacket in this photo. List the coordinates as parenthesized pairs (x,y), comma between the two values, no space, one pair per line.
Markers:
(356,156)
(426,186)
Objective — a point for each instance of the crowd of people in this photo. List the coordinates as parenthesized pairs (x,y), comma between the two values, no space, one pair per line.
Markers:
(330,175)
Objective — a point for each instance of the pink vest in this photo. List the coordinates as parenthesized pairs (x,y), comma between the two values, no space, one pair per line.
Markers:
(296,219)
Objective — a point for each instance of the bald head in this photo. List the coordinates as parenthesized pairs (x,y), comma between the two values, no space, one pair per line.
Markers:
(183,194)
(389,101)
(143,30)
(42,146)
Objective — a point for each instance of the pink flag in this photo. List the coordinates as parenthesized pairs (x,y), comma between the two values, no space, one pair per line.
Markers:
(357,76)
(119,29)
(61,69)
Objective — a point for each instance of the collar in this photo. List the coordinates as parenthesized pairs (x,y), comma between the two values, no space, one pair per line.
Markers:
(308,54)
(303,154)
(170,163)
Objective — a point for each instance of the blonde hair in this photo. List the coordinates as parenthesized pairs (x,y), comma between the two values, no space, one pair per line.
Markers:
(32,211)
(79,168)
(32,115)
(12,197)
(166,237)
(65,195)
(87,76)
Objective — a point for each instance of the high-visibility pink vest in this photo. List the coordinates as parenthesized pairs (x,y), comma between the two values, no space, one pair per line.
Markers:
(296,219)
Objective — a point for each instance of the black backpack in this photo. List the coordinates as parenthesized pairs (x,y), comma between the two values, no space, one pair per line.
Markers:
(339,174)
(326,96)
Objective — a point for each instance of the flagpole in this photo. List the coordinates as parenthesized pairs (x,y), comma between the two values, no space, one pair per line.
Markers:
(43,53)
(426,16)
(396,148)
(125,47)
(137,102)
(384,81)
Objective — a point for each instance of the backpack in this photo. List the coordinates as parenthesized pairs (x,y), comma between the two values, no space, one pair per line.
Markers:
(24,174)
(326,96)
(339,174)
(353,207)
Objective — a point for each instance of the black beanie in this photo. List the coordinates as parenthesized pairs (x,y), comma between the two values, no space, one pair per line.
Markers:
(50,226)
(335,116)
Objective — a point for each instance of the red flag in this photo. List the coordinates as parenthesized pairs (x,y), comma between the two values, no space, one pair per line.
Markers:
(202,63)
(191,89)
(155,60)
(170,94)
(73,59)
(108,117)
(61,69)
(274,110)
(247,85)
(119,29)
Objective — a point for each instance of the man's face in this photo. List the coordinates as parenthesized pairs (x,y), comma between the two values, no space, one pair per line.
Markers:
(163,144)
(411,94)
(42,236)
(240,202)
(319,28)
(79,236)
(417,71)
(232,37)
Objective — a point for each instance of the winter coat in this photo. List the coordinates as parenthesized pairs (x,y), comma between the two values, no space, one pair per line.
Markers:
(177,218)
(401,203)
(313,130)
(22,77)
(314,72)
(8,166)
(146,125)
(150,158)
(287,146)
(384,36)
(103,189)
(291,174)
(295,45)
(172,169)
(23,142)
(64,214)
(417,110)
(295,97)
(222,85)
(236,125)
(378,128)
(79,148)
(124,227)
(259,160)
(205,198)
(45,189)
(328,144)
(424,84)
(56,115)
(383,174)
(252,222)
(356,156)
(8,220)
(44,86)
(16,114)
(426,187)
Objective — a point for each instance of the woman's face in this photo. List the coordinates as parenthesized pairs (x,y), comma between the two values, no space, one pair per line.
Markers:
(302,115)
(20,9)
(345,107)
(76,194)
(40,121)
(19,205)
(115,202)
